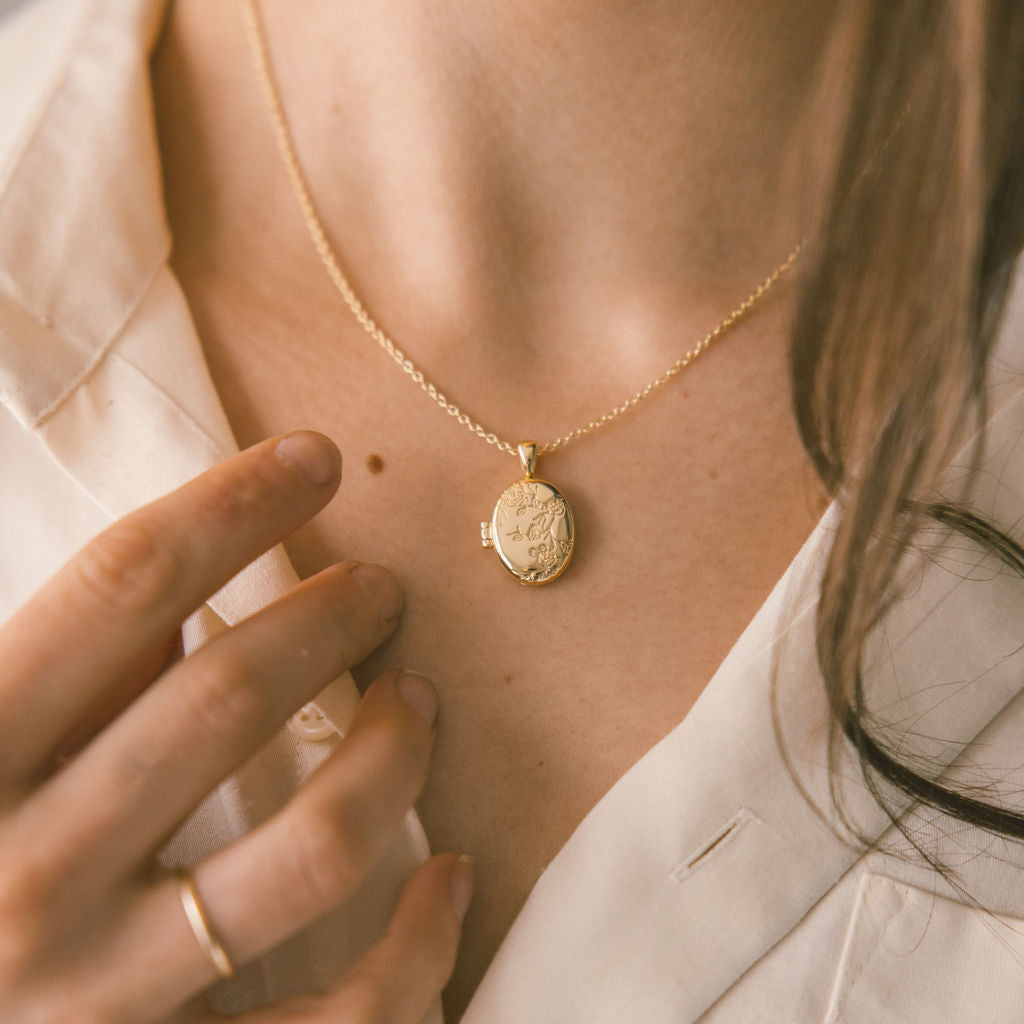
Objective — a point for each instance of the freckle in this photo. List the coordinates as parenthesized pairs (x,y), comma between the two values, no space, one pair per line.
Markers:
(374,463)
(540,764)
(508,679)
(713,473)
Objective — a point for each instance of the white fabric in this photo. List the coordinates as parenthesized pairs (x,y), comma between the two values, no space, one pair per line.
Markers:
(714,881)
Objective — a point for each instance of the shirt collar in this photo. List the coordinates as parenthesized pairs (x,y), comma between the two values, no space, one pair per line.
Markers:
(82,226)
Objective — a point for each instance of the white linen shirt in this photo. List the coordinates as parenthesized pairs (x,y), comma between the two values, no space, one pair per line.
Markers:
(715,881)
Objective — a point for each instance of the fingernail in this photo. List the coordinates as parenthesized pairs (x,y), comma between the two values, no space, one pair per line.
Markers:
(460,885)
(419,691)
(313,455)
(381,586)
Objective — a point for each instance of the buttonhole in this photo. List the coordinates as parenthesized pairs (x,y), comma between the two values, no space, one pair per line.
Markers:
(713,844)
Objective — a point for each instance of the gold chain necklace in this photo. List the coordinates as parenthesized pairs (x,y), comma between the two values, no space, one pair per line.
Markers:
(532,528)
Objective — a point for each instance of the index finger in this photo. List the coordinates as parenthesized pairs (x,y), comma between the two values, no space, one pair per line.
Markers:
(132,585)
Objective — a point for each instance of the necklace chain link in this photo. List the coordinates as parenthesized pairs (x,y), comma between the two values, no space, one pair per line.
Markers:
(318,234)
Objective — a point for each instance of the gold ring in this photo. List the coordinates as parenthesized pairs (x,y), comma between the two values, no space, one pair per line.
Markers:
(204,932)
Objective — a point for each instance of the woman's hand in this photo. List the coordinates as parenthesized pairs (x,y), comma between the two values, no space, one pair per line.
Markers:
(106,747)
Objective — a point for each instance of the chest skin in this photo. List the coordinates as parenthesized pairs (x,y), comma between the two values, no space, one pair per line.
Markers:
(687,510)
(687,513)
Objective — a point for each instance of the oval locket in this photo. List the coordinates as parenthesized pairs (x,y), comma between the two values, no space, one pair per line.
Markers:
(532,527)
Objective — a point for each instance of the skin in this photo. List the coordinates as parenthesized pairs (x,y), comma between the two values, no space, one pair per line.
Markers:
(560,199)
(546,205)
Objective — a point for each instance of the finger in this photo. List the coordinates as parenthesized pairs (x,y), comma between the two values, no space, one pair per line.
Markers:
(208,713)
(398,979)
(131,586)
(117,696)
(316,851)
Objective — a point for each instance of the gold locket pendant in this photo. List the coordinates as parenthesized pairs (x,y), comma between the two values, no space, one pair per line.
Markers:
(532,527)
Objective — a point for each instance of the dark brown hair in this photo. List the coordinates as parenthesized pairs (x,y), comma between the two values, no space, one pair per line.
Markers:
(889,368)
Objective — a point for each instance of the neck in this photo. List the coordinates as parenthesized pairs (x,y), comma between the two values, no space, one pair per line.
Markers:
(528,175)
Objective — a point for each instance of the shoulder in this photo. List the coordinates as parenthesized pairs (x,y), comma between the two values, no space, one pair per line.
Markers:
(82,228)
(36,38)
(54,51)
(83,249)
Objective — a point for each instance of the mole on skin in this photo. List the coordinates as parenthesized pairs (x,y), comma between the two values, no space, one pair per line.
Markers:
(374,463)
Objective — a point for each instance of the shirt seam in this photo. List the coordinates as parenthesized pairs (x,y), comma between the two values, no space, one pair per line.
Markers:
(103,350)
